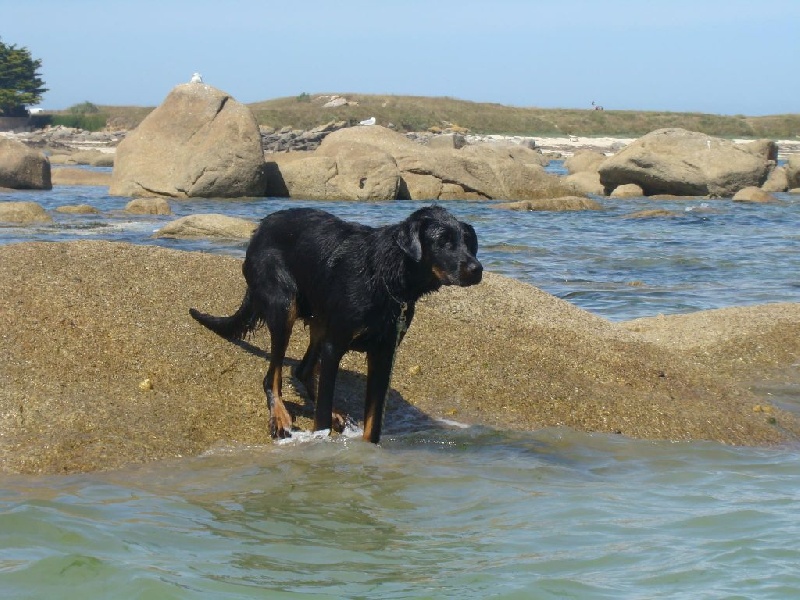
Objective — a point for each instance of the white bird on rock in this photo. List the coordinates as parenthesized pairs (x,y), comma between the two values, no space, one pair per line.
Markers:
(196,78)
(370,121)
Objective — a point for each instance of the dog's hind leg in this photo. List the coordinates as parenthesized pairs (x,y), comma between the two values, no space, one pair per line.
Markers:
(280,328)
(308,369)
(331,355)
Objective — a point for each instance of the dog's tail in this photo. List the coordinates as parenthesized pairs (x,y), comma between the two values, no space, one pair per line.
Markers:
(235,327)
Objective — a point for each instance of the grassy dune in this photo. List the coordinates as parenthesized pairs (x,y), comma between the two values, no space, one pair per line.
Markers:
(417,113)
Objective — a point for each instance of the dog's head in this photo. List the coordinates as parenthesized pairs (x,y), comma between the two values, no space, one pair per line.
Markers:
(438,241)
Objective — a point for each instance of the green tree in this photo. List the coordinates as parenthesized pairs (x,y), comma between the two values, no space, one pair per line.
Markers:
(20,84)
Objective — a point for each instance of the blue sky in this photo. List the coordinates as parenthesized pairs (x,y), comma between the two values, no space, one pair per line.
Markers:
(714,56)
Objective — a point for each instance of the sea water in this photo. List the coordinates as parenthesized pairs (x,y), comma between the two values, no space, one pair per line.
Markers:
(453,512)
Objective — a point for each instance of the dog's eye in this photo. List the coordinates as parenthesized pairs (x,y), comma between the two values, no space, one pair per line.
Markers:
(446,241)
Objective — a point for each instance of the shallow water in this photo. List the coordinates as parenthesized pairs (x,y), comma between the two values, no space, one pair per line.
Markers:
(714,253)
(464,513)
(467,513)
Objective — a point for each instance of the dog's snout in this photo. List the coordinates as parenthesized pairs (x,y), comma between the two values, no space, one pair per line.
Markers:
(471,272)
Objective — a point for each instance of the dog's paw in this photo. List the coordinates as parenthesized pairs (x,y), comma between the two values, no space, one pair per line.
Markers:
(341,422)
(279,432)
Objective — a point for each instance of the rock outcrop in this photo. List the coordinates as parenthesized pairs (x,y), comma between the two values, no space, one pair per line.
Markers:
(199,142)
(23,213)
(102,366)
(75,176)
(793,171)
(564,203)
(23,168)
(148,206)
(584,160)
(349,173)
(208,226)
(287,139)
(586,182)
(753,194)
(377,163)
(686,163)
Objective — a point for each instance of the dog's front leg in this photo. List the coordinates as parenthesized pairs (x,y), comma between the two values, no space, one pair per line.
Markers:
(379,374)
(330,357)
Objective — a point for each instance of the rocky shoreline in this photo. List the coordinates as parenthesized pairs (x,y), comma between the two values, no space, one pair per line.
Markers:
(66,140)
(101,366)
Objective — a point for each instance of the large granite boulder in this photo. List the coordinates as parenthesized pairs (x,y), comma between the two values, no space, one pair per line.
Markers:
(686,163)
(778,181)
(793,171)
(355,172)
(586,182)
(22,168)
(584,160)
(199,142)
(480,172)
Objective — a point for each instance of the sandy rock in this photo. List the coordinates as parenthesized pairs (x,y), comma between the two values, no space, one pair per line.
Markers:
(520,153)
(350,172)
(208,226)
(78,209)
(23,213)
(449,141)
(586,182)
(81,336)
(199,142)
(778,181)
(685,163)
(484,171)
(741,343)
(563,203)
(753,194)
(94,158)
(23,168)
(584,160)
(68,176)
(628,190)
(653,213)
(793,171)
(300,175)
(148,206)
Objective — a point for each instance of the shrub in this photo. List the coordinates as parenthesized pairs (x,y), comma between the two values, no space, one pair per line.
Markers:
(95,122)
(84,108)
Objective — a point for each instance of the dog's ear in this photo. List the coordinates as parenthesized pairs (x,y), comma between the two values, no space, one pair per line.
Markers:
(408,239)
(470,237)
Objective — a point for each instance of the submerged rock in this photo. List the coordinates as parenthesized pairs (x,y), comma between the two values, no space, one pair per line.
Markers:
(207,226)
(148,206)
(563,203)
(23,213)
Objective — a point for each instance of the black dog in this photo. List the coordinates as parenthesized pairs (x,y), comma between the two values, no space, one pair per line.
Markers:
(354,285)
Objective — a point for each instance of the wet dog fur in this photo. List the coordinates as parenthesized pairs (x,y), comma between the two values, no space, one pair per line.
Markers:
(355,286)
